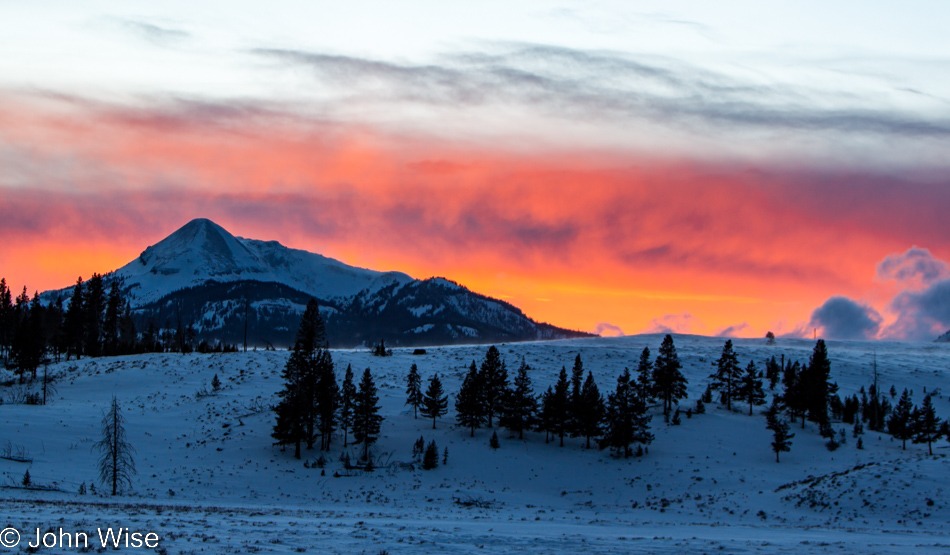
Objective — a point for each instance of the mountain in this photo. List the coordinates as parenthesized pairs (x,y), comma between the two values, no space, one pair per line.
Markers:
(945,338)
(203,278)
(202,251)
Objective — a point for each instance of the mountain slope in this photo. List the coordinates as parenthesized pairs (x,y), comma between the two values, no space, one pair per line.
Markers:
(203,278)
(202,250)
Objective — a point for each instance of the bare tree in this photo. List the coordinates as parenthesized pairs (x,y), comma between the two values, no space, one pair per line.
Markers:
(116,465)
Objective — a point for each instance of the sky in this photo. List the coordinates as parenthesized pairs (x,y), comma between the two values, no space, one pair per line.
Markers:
(725,168)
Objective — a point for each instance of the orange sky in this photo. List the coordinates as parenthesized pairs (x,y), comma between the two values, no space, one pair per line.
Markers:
(574,237)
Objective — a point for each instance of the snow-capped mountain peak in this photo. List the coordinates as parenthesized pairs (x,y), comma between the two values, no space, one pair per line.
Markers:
(202,251)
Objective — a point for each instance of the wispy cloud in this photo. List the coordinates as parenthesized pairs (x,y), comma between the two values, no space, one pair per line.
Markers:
(156,34)
(612,88)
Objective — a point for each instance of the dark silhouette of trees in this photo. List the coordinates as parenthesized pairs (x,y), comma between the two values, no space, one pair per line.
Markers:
(469,409)
(520,403)
(669,382)
(727,376)
(626,420)
(776,422)
(414,390)
(494,382)
(750,387)
(434,403)
(900,424)
(366,418)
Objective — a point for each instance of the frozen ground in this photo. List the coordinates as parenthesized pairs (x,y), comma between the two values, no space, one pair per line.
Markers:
(210,481)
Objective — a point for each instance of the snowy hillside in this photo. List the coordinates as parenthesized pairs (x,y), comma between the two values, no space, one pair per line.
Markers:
(210,480)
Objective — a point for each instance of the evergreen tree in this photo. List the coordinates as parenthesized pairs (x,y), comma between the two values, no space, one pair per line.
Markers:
(6,319)
(560,407)
(469,410)
(750,387)
(900,424)
(520,404)
(116,465)
(298,409)
(493,441)
(626,419)
(589,415)
(29,340)
(434,403)
(773,372)
(366,418)
(927,426)
(430,459)
(577,382)
(494,382)
(110,321)
(326,397)
(781,438)
(546,413)
(645,376)
(794,396)
(215,383)
(816,386)
(347,398)
(93,307)
(669,382)
(414,390)
(727,376)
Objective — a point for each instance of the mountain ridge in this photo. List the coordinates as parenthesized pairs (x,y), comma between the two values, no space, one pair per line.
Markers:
(219,284)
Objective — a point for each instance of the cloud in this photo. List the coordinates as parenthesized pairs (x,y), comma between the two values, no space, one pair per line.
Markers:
(619,89)
(161,36)
(606,329)
(915,268)
(843,318)
(921,315)
(732,331)
(671,323)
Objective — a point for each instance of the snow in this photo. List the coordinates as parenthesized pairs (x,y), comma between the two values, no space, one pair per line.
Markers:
(201,250)
(209,479)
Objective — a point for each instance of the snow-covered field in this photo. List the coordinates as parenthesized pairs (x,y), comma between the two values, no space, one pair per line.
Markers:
(210,481)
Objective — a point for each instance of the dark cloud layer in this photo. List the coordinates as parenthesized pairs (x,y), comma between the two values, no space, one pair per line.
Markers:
(843,318)
(917,266)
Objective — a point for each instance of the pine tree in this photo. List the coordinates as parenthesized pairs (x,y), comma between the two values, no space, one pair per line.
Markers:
(560,407)
(111,317)
(6,319)
(27,481)
(815,384)
(494,382)
(73,321)
(669,382)
(900,424)
(545,413)
(434,403)
(645,376)
(298,409)
(215,383)
(469,410)
(347,398)
(794,396)
(773,372)
(116,465)
(430,459)
(93,307)
(750,387)
(590,413)
(520,404)
(727,376)
(775,421)
(626,420)
(366,418)
(927,426)
(414,390)
(493,441)
(326,397)
(577,382)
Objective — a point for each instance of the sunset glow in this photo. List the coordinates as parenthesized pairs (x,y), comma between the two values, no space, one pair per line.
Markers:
(581,210)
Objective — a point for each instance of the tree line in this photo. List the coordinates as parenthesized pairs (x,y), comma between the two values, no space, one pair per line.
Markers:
(96,320)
